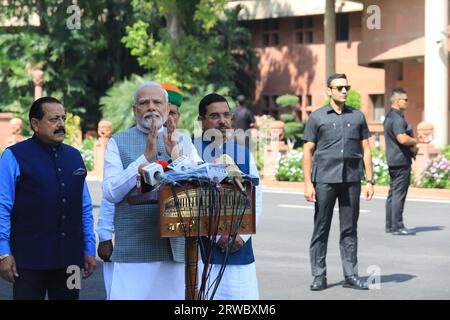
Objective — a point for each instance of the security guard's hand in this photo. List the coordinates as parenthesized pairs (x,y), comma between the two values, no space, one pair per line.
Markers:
(89,265)
(104,250)
(368,194)
(8,269)
(310,192)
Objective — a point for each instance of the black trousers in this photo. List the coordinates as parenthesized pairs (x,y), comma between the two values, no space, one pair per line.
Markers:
(34,284)
(398,189)
(348,196)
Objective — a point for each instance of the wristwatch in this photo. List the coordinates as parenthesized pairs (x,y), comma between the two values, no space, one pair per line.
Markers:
(371,181)
(3,256)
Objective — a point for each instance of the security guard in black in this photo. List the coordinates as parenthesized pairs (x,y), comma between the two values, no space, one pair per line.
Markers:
(338,153)
(335,151)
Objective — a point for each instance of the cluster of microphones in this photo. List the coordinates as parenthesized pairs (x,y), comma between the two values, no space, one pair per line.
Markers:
(184,170)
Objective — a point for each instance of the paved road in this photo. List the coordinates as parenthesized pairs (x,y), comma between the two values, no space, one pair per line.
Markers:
(411,267)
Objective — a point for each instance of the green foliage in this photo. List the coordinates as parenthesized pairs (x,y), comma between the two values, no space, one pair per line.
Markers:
(206,12)
(380,168)
(290,166)
(436,174)
(353,99)
(87,152)
(259,160)
(116,105)
(72,128)
(79,65)
(294,131)
(192,43)
(189,109)
(287,101)
(446,152)
(286,118)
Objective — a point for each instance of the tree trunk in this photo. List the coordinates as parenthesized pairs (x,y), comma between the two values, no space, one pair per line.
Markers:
(329,25)
(173,25)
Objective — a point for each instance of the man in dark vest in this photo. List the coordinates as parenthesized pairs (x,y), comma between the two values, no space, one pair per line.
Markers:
(46,222)
(239,280)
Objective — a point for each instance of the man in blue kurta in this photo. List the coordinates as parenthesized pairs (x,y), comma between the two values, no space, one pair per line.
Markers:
(239,280)
(46,222)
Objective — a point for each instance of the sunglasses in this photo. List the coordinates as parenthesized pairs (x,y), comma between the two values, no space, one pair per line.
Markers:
(339,88)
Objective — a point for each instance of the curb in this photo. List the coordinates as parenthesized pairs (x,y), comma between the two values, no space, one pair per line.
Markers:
(298,187)
(420,193)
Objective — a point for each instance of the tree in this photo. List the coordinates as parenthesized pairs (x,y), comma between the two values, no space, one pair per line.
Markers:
(287,101)
(353,99)
(79,65)
(188,43)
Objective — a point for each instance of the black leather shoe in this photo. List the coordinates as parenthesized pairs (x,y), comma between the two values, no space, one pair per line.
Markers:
(403,232)
(355,283)
(319,283)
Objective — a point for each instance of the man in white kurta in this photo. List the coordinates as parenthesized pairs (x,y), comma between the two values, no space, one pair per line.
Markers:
(105,230)
(153,269)
(239,281)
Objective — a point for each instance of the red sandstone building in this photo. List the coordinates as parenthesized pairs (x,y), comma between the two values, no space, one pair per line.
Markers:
(288,36)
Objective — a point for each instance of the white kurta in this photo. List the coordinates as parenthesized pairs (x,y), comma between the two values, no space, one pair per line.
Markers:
(139,281)
(105,229)
(239,282)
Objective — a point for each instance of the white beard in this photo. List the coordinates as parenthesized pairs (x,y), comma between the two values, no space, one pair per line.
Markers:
(146,123)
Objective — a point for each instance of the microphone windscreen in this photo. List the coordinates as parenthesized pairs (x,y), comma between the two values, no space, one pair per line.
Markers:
(141,168)
(163,163)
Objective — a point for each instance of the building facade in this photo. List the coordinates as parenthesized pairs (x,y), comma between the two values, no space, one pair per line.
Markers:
(288,37)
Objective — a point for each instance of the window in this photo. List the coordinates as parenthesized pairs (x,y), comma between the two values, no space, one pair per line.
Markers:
(400,72)
(266,104)
(308,100)
(270,35)
(304,30)
(342,27)
(269,105)
(274,110)
(378,107)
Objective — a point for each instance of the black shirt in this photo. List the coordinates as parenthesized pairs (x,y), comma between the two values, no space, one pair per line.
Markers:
(397,154)
(242,118)
(338,154)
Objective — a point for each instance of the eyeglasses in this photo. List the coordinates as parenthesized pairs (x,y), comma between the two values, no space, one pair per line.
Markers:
(339,88)
(217,115)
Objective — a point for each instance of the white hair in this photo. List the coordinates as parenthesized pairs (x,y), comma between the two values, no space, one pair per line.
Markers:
(149,84)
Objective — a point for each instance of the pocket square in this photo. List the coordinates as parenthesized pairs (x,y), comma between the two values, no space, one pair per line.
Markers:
(79,172)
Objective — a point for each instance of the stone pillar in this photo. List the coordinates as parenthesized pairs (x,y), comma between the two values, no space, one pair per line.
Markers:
(104,133)
(426,151)
(5,131)
(329,26)
(38,80)
(436,69)
(15,125)
(274,149)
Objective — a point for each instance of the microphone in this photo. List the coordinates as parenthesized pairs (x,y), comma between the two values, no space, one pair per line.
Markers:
(152,173)
(232,169)
(180,164)
(216,174)
(163,163)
